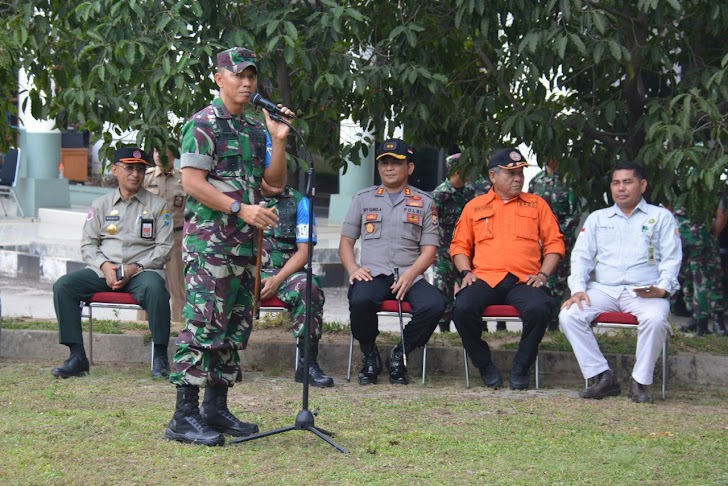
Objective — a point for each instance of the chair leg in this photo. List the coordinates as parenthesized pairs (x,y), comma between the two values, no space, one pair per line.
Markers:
(537,382)
(151,357)
(424,363)
(296,366)
(351,352)
(467,370)
(91,335)
(664,369)
(17,205)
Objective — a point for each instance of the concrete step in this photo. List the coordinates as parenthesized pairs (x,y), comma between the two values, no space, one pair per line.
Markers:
(557,368)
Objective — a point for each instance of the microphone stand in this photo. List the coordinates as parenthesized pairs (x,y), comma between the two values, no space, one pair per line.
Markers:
(305,418)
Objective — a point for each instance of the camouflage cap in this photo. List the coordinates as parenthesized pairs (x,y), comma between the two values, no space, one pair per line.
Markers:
(236,59)
(508,158)
(131,155)
(452,161)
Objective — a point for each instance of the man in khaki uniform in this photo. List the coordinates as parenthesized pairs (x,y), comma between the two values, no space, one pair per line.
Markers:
(165,180)
(126,241)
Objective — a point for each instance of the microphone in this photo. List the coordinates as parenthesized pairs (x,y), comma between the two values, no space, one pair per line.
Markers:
(272,108)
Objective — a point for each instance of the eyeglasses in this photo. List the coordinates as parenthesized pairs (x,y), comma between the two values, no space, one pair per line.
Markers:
(129,168)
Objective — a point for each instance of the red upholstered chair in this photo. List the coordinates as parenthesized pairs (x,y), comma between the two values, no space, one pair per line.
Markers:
(506,313)
(274,305)
(389,309)
(106,300)
(625,320)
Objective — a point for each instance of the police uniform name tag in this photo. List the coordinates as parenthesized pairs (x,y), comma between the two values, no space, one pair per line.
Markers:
(147,229)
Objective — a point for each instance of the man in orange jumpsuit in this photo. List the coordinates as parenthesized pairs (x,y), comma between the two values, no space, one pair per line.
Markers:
(497,248)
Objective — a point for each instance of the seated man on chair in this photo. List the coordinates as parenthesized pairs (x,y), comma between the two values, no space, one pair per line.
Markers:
(398,226)
(285,251)
(497,247)
(128,230)
(626,259)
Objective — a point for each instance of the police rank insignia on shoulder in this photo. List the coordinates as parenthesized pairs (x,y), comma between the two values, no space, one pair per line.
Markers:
(407,191)
(380,191)
(369,227)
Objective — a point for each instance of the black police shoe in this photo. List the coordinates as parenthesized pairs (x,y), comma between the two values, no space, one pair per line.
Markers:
(160,366)
(491,375)
(397,370)
(639,393)
(75,365)
(606,385)
(371,365)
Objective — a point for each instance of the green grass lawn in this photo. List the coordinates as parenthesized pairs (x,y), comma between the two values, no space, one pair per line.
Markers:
(107,428)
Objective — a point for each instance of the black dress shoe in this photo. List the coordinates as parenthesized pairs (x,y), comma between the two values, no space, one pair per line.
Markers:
(75,365)
(639,393)
(519,382)
(605,386)
(160,366)
(491,375)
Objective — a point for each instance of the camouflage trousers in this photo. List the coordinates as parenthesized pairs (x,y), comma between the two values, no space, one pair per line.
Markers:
(218,320)
(292,292)
(445,278)
(701,281)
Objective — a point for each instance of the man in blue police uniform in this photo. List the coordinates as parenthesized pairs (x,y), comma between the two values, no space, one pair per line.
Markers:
(399,229)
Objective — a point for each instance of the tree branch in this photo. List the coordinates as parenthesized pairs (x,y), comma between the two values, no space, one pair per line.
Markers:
(503,86)
(612,11)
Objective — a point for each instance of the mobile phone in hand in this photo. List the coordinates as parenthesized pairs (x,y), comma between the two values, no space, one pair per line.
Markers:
(646,288)
(120,272)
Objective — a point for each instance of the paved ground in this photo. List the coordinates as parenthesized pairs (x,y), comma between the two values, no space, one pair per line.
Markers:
(33,298)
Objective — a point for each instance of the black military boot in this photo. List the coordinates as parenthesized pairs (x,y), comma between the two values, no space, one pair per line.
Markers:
(215,413)
(689,326)
(701,327)
(187,424)
(316,375)
(371,364)
(397,370)
(718,325)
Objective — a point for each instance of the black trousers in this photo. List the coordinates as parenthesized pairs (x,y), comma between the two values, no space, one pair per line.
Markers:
(534,304)
(147,288)
(426,302)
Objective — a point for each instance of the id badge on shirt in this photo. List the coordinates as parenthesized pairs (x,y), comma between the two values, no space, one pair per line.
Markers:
(147,229)
(651,254)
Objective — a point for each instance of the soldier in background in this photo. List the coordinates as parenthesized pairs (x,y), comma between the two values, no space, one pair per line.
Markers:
(699,276)
(165,180)
(551,186)
(285,254)
(450,198)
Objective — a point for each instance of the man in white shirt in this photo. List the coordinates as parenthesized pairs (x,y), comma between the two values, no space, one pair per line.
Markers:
(626,259)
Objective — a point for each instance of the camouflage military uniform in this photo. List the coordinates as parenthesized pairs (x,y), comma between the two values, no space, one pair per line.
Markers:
(450,202)
(279,245)
(565,206)
(218,248)
(700,273)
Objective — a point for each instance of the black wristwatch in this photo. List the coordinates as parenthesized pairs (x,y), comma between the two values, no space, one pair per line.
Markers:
(463,273)
(234,208)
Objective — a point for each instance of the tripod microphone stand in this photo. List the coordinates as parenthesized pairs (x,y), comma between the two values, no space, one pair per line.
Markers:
(305,418)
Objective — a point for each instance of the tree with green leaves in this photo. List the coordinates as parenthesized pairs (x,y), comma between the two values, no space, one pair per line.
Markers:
(588,82)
